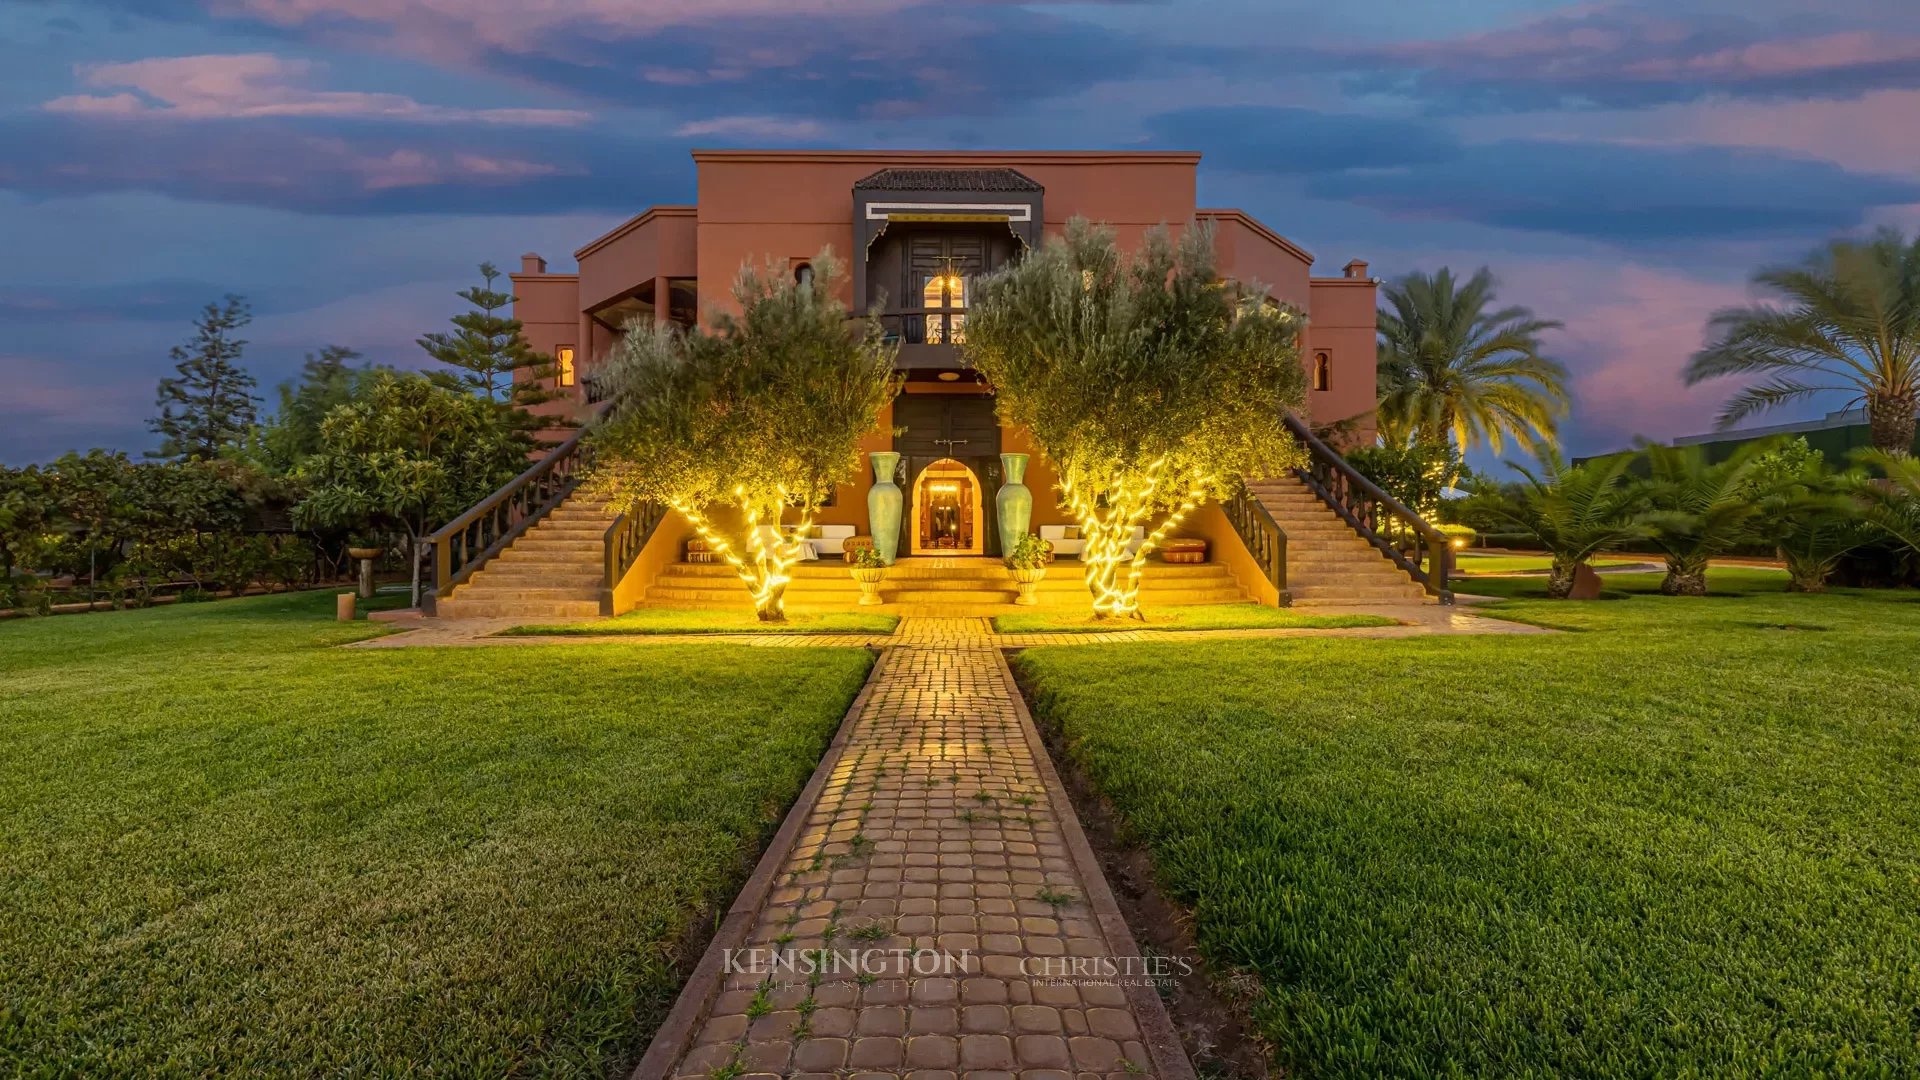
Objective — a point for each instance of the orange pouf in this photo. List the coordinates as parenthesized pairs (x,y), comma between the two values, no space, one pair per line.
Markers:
(1183,550)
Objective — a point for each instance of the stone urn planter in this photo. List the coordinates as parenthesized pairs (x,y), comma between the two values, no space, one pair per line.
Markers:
(1026,560)
(1027,579)
(365,555)
(869,581)
(867,570)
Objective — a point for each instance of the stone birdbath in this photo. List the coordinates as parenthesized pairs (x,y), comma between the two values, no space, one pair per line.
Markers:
(366,555)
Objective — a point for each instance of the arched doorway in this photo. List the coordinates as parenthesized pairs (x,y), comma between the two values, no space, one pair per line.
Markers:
(946,517)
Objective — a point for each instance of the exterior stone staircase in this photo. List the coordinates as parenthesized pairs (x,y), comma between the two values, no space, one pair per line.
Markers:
(937,585)
(553,570)
(1327,561)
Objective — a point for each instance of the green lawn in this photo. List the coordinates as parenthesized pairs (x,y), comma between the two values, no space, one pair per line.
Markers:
(1683,842)
(675,621)
(1467,562)
(227,848)
(1722,582)
(1193,617)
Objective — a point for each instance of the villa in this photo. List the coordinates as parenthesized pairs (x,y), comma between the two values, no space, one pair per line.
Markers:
(917,228)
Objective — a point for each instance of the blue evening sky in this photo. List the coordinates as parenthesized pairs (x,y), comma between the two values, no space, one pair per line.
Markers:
(1622,167)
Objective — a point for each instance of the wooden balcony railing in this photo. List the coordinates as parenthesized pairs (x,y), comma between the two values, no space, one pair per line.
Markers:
(1403,536)
(1266,541)
(925,325)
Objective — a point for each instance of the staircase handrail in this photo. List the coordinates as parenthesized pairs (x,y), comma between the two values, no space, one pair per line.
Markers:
(465,544)
(1362,504)
(1265,540)
(625,538)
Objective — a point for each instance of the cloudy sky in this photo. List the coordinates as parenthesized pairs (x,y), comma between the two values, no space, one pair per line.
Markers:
(345,163)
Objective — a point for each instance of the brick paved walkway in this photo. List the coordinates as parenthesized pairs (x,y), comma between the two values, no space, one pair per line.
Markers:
(940,877)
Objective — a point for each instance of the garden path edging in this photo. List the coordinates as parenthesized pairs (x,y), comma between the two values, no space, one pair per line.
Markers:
(675,1034)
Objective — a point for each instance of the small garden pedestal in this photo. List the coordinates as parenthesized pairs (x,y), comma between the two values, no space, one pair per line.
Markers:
(1027,579)
(869,581)
(366,555)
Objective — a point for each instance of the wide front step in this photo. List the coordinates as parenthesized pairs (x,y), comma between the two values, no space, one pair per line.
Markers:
(460,608)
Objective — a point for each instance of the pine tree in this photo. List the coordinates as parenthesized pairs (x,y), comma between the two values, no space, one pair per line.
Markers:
(209,404)
(328,378)
(488,348)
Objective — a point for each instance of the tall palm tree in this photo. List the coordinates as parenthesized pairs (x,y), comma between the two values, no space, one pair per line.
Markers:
(1850,322)
(1451,369)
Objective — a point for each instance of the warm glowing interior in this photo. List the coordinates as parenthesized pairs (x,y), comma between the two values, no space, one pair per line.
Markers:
(946,510)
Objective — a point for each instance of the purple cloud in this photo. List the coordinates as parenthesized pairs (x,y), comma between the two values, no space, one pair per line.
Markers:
(1615,56)
(257,85)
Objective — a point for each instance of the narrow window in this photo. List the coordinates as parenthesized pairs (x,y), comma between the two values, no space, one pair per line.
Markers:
(803,274)
(1322,369)
(563,358)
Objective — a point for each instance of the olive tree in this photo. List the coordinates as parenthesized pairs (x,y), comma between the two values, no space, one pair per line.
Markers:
(1150,384)
(736,426)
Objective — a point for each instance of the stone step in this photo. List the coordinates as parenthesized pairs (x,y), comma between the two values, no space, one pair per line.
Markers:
(553,560)
(498,592)
(455,608)
(982,571)
(523,575)
(556,546)
(1406,590)
(947,596)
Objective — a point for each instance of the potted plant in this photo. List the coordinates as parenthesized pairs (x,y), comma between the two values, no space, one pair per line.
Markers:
(1027,560)
(867,567)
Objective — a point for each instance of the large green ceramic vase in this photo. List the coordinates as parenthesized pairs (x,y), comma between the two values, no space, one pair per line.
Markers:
(883,505)
(1014,503)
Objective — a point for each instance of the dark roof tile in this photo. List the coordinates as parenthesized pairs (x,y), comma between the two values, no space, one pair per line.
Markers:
(947,180)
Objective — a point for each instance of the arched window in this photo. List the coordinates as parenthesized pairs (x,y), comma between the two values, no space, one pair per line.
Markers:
(1322,369)
(803,274)
(563,359)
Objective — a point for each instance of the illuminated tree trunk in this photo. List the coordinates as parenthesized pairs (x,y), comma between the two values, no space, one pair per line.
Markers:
(1112,573)
(765,568)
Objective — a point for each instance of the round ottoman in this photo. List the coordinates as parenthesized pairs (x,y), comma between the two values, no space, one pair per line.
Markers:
(1183,549)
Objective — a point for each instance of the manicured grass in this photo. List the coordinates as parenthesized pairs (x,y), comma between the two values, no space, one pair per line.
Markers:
(226,848)
(1194,617)
(1722,581)
(674,621)
(1684,842)
(1467,562)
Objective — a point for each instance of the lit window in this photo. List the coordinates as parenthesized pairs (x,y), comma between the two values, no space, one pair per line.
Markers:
(946,290)
(1322,369)
(563,356)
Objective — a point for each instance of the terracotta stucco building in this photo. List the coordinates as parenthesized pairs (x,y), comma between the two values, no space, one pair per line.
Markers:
(916,228)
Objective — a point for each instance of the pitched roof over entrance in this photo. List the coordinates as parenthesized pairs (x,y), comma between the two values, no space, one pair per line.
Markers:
(947,180)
